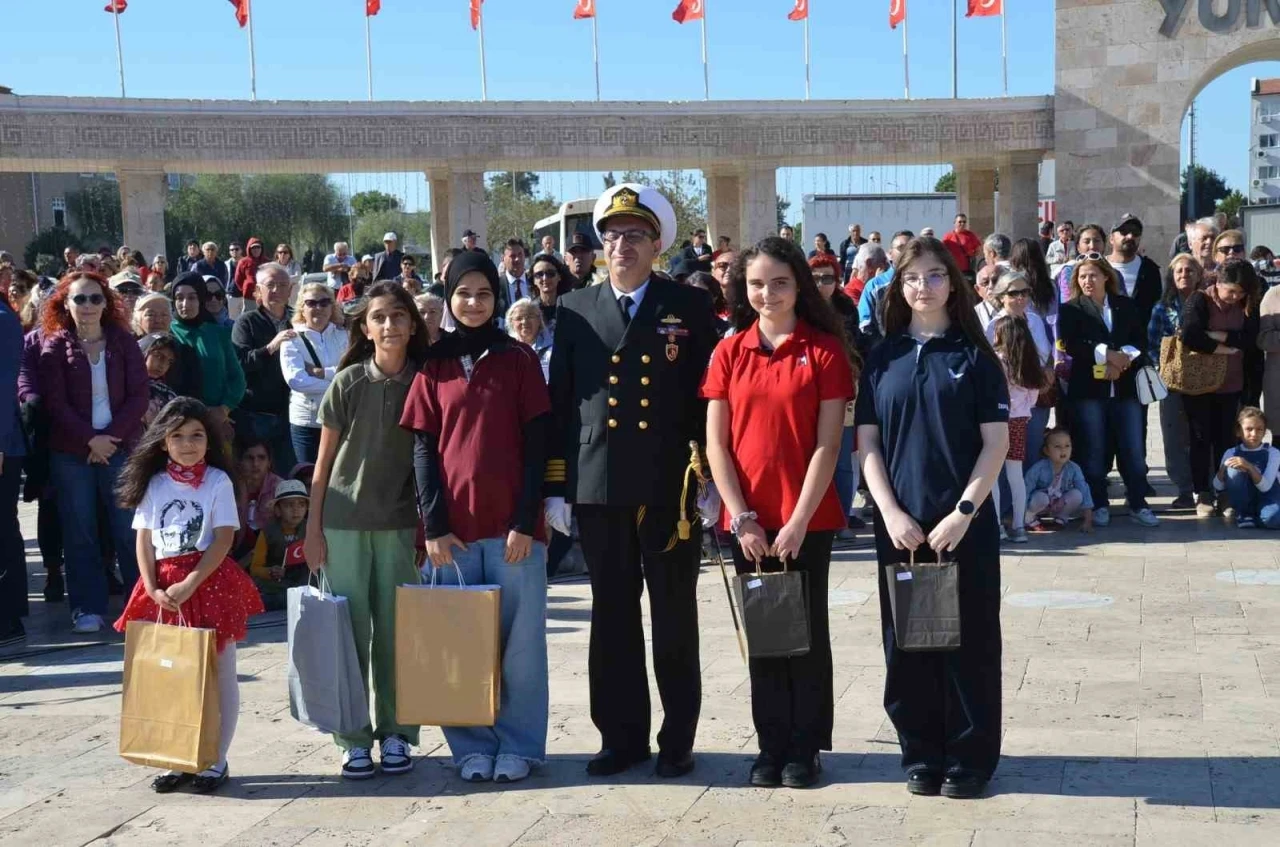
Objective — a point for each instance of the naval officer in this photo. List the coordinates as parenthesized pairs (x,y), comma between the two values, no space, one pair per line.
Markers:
(628,357)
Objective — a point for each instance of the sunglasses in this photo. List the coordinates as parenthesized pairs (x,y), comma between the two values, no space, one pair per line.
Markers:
(93,299)
(546,275)
(824,279)
(1018,292)
(217,295)
(323,303)
(1092,257)
(1235,249)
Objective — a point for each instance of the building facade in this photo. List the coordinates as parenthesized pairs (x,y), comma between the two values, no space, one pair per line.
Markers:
(1264,142)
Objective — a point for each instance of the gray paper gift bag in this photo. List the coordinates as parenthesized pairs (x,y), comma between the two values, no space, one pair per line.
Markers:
(326,689)
(925,600)
(775,613)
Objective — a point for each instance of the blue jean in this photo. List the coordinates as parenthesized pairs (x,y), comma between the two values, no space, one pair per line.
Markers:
(273,429)
(844,472)
(521,729)
(1035,435)
(81,488)
(306,444)
(1249,502)
(1094,423)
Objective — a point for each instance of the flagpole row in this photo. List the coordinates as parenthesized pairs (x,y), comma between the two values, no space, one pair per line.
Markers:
(595,53)
(368,53)
(806,56)
(906,64)
(1004,48)
(706,75)
(115,7)
(484,78)
(955,62)
(253,66)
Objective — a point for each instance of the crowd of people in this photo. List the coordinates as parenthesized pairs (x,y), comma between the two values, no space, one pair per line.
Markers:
(199,437)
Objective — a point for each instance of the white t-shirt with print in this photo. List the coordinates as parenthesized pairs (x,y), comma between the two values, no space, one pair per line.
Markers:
(181,518)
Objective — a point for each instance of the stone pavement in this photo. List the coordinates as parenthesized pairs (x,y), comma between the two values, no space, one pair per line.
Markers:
(1142,704)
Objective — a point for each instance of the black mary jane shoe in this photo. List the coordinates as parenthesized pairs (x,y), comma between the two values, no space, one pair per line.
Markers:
(766,772)
(208,784)
(964,785)
(167,783)
(802,773)
(925,782)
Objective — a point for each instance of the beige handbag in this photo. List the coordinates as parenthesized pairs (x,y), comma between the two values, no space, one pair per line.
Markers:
(1188,371)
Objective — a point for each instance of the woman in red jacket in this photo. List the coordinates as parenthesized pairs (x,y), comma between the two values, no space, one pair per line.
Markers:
(95,387)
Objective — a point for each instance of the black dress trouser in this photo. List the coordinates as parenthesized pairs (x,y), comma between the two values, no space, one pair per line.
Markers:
(619,569)
(945,705)
(1211,431)
(792,700)
(13,553)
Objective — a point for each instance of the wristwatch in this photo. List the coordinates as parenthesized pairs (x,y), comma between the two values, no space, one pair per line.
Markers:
(738,520)
(966,508)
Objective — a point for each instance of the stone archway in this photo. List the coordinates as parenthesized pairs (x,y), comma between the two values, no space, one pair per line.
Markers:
(1126,72)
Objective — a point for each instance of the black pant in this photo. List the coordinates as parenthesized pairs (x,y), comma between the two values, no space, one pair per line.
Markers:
(1211,428)
(619,569)
(792,702)
(945,705)
(13,553)
(558,546)
(49,531)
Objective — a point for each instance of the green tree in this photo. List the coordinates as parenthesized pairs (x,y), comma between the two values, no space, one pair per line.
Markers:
(514,216)
(369,202)
(49,242)
(946,183)
(525,182)
(783,205)
(688,198)
(414,229)
(1230,206)
(94,212)
(1210,188)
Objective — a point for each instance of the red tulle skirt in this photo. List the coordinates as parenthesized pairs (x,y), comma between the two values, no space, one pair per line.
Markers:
(223,602)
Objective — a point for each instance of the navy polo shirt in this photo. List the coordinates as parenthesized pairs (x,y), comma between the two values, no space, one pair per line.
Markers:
(929,401)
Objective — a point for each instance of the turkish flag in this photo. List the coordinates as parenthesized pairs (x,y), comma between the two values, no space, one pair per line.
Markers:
(688,10)
(242,12)
(800,12)
(897,12)
(293,554)
(116,6)
(475,13)
(586,9)
(372,7)
(984,8)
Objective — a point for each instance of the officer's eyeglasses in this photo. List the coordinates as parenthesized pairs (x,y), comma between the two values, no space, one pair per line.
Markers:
(631,236)
(934,280)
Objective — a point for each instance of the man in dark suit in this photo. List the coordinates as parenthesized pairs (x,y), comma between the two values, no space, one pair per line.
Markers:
(697,256)
(628,357)
(386,264)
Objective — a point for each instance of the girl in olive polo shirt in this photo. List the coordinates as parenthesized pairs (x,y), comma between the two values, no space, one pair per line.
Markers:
(363,518)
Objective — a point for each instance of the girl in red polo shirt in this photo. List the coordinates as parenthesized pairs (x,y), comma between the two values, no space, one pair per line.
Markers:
(778,389)
(479,411)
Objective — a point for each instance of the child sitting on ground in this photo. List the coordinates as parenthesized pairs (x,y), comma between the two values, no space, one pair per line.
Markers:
(159,351)
(1248,472)
(1056,488)
(278,563)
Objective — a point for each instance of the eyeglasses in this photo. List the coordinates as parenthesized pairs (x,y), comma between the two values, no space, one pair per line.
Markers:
(1020,293)
(546,274)
(1237,249)
(933,280)
(322,303)
(94,299)
(824,279)
(217,295)
(631,236)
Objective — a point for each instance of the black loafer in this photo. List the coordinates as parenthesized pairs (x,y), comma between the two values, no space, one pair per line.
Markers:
(208,784)
(963,785)
(925,782)
(610,762)
(766,772)
(167,783)
(673,766)
(802,774)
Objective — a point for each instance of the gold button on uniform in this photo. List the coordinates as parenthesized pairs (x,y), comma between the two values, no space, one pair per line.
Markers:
(644,380)
(613,379)
(613,401)
(644,424)
(644,402)
(616,358)
(645,358)
(613,424)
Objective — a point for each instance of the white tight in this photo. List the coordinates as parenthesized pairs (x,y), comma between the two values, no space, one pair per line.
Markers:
(228,699)
(1017,490)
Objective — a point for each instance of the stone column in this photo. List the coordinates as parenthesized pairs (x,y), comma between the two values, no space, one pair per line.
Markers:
(759,209)
(724,206)
(441,233)
(975,196)
(1019,213)
(466,207)
(142,200)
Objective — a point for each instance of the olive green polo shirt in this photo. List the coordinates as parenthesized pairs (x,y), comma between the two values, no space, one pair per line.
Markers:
(371,486)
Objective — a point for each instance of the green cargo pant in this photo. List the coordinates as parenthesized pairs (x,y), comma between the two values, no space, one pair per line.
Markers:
(366,567)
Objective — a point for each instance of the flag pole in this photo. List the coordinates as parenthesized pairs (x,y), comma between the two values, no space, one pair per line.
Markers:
(806,55)
(706,75)
(906,65)
(1004,47)
(253,66)
(368,51)
(595,53)
(484,77)
(955,64)
(115,8)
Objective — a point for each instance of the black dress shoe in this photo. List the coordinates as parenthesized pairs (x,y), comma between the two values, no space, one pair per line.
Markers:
(925,782)
(767,771)
(167,783)
(609,762)
(963,785)
(207,784)
(802,774)
(671,767)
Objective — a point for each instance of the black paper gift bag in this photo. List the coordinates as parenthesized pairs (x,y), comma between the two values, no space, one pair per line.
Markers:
(775,613)
(925,600)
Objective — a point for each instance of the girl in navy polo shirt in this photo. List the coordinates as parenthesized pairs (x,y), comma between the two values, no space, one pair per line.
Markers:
(778,388)
(932,416)
(479,411)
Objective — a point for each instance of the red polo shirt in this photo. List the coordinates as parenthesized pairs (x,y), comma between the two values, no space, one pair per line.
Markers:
(480,426)
(963,246)
(773,417)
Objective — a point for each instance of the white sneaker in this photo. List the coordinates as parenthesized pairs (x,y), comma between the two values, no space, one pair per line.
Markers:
(1146,517)
(510,769)
(476,768)
(357,764)
(85,622)
(395,755)
(1102,517)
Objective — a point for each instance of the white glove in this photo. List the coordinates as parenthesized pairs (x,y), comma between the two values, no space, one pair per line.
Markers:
(559,514)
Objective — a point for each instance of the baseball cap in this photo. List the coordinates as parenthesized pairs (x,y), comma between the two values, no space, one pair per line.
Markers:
(1128,220)
(580,241)
(470,233)
(390,236)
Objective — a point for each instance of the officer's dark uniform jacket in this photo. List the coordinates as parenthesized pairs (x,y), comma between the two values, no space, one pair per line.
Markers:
(625,397)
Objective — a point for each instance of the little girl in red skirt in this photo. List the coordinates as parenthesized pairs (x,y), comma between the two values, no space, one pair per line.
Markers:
(179,483)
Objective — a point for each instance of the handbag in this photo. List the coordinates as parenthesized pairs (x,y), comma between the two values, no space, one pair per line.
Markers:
(1150,387)
(925,601)
(774,611)
(1188,371)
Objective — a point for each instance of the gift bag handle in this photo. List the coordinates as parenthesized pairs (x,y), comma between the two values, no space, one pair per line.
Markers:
(319,580)
(937,564)
(462,582)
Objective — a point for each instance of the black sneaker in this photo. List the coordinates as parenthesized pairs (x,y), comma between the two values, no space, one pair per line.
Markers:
(54,588)
(1183,501)
(802,774)
(766,772)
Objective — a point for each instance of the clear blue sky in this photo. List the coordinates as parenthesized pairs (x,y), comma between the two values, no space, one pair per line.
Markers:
(426,50)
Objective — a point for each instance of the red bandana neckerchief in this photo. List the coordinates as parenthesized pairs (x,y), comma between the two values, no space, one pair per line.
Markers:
(193,475)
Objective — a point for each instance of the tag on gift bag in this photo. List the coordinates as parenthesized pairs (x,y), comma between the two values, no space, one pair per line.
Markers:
(925,600)
(169,715)
(448,654)
(775,612)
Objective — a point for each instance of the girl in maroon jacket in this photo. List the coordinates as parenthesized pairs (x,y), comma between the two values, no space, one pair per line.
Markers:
(94,384)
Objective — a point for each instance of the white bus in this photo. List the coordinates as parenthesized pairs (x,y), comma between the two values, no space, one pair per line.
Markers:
(574,216)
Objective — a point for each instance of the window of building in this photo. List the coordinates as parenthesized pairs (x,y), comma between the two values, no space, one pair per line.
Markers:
(1268,140)
(1268,111)
(60,212)
(1269,172)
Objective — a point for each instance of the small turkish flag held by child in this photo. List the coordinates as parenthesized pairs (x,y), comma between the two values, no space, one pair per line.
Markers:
(800,12)
(293,555)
